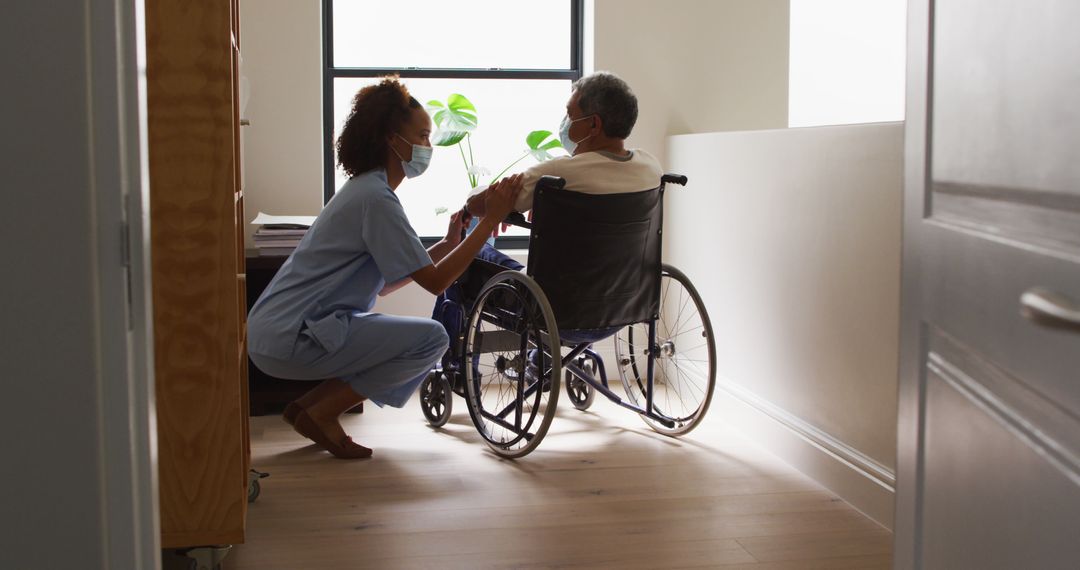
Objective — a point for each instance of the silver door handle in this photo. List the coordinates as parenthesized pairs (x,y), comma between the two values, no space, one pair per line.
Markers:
(1050,309)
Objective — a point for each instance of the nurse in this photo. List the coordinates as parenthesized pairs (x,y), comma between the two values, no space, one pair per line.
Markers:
(314,320)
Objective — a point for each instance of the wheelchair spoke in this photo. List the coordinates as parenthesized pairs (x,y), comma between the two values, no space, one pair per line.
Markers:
(510,401)
(679,318)
(678,393)
(684,376)
(516,431)
(685,332)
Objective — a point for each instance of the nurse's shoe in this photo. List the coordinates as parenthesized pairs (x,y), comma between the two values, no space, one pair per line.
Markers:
(344,449)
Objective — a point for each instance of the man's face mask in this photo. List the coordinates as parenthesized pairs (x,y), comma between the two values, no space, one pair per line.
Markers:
(421,159)
(564,133)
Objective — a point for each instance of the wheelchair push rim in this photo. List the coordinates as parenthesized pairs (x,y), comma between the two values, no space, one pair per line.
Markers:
(684,360)
(512,403)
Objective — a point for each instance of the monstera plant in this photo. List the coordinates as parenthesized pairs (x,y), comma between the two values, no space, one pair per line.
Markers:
(456,121)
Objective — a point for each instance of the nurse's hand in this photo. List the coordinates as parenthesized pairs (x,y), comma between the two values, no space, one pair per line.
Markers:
(499,199)
(456,230)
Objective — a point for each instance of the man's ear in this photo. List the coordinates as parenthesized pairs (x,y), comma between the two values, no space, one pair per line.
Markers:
(598,124)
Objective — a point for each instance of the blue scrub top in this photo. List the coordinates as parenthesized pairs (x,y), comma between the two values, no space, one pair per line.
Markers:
(361,241)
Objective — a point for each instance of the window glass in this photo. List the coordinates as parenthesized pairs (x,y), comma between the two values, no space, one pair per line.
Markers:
(479,34)
(847,62)
(507,111)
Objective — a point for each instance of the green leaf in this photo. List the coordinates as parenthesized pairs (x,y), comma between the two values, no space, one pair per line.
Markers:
(447,138)
(538,148)
(453,119)
(459,102)
(534,138)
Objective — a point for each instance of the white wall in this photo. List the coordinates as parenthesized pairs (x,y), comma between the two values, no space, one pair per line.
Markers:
(281,47)
(696,66)
(793,237)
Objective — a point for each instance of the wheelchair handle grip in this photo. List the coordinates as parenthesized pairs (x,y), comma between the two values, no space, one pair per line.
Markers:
(669,178)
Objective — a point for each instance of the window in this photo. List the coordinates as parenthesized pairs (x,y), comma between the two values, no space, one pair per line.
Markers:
(846,62)
(514,60)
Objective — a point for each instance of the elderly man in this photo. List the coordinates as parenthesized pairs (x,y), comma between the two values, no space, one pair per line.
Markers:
(600,114)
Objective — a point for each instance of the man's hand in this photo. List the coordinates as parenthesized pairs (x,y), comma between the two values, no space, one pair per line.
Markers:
(499,199)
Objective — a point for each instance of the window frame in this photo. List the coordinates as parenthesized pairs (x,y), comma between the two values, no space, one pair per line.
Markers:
(330,73)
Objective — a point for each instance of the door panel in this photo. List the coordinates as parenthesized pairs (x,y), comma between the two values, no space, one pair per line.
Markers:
(989,466)
(1006,79)
(1004,134)
(973,284)
(970,446)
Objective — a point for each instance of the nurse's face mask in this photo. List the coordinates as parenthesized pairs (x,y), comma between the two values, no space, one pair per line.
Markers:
(421,159)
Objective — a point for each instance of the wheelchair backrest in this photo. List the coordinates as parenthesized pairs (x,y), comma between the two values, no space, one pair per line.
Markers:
(597,256)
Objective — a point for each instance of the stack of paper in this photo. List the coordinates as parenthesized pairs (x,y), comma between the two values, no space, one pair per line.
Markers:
(279,235)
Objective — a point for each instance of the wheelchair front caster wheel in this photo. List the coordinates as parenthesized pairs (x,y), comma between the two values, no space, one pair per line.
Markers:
(581,394)
(254,487)
(436,399)
(199,558)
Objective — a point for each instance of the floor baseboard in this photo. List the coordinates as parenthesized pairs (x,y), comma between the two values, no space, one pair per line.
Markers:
(857,479)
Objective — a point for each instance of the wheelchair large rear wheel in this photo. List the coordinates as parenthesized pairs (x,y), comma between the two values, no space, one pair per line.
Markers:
(512,364)
(684,370)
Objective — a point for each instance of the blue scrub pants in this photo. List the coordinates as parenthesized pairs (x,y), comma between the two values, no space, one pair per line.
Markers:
(382,357)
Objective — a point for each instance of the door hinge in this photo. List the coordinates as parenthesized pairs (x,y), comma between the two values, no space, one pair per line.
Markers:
(125,265)
(125,245)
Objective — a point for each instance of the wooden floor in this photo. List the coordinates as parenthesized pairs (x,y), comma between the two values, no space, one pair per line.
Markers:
(601,491)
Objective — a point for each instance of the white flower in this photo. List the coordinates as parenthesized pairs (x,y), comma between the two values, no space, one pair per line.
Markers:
(479,171)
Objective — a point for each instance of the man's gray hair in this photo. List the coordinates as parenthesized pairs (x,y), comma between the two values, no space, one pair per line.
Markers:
(605,94)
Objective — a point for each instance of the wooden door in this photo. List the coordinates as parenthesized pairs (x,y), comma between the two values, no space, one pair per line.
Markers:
(989,438)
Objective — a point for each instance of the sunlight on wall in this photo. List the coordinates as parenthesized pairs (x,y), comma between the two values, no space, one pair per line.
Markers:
(847,62)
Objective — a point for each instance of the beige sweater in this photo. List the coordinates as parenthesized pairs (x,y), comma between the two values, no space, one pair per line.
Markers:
(593,173)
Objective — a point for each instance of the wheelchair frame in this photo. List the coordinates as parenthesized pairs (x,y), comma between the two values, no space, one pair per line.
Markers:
(453,376)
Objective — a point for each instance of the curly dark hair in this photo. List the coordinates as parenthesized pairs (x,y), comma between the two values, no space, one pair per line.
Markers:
(378,111)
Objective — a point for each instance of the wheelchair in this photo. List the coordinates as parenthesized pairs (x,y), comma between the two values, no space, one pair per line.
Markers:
(594,270)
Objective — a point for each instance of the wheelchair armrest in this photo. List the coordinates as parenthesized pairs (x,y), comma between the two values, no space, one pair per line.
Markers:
(518,219)
(670,178)
(545,183)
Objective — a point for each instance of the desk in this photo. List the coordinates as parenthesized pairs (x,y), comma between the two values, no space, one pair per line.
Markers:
(268,394)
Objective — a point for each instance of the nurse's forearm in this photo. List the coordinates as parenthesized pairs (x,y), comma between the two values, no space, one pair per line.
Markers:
(436,278)
(439,250)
